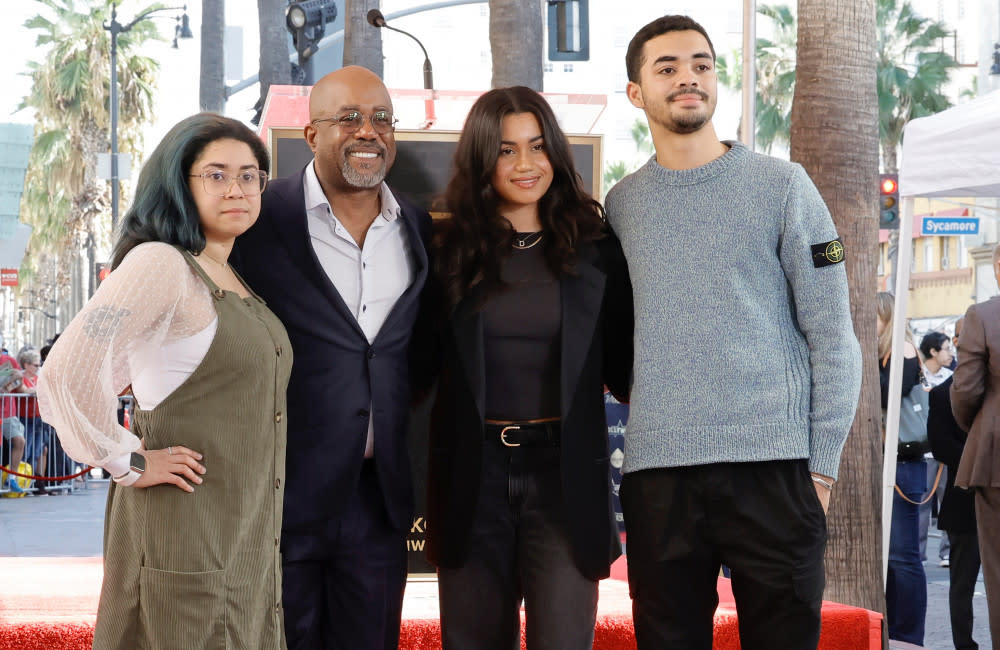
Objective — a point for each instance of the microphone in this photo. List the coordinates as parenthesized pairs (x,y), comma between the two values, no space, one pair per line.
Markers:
(375,18)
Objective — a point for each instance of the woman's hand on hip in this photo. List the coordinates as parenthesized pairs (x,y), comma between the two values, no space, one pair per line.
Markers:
(174,465)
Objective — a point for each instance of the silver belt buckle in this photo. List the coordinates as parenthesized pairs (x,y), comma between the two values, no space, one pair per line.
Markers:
(503,436)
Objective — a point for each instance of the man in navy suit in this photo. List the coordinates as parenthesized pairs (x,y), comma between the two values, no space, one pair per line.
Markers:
(342,260)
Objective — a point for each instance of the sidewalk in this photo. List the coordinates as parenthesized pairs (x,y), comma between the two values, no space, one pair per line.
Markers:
(71,525)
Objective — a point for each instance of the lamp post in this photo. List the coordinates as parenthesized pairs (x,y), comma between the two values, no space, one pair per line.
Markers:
(182,30)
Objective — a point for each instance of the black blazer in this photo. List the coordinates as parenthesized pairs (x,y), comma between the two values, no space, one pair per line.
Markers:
(597,323)
(958,508)
(336,376)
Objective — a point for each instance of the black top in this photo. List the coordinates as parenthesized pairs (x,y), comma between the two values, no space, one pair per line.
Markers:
(521,326)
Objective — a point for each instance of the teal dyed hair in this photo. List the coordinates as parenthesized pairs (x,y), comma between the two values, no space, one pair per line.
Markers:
(163,209)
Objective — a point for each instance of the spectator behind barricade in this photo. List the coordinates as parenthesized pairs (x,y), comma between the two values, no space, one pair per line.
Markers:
(937,354)
(13,429)
(37,434)
(906,585)
(59,464)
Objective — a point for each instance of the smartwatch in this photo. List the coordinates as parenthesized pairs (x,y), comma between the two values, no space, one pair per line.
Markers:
(137,462)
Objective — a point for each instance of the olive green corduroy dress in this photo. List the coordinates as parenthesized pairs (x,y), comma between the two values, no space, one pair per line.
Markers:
(193,571)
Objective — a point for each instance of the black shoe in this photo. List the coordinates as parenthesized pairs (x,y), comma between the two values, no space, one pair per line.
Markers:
(40,489)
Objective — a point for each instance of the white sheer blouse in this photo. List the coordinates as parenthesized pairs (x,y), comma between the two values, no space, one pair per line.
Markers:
(154,303)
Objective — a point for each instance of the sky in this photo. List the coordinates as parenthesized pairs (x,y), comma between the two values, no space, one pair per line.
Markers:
(177,92)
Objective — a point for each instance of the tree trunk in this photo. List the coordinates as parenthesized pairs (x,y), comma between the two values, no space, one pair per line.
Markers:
(516,43)
(834,135)
(275,67)
(212,92)
(362,42)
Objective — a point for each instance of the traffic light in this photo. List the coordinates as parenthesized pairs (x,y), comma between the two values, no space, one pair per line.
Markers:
(888,187)
(569,30)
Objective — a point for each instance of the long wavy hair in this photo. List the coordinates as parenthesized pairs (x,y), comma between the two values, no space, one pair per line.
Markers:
(164,209)
(471,246)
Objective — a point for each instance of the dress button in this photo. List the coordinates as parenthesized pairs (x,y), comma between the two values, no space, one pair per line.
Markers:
(362,413)
(276,543)
(277,416)
(277,350)
(277,485)
(219,294)
(371,354)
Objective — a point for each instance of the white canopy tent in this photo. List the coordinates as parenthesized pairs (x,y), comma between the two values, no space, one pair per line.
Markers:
(955,153)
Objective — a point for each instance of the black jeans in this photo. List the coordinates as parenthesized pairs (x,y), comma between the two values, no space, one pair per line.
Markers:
(763,520)
(518,549)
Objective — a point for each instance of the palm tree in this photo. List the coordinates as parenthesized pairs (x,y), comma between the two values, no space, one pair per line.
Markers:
(362,43)
(64,201)
(212,87)
(911,72)
(274,65)
(775,76)
(641,138)
(834,135)
(516,43)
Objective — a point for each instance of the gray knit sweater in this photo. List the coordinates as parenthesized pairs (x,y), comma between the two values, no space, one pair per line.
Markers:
(744,348)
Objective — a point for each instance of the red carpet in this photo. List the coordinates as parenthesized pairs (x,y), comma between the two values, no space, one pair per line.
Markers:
(51,604)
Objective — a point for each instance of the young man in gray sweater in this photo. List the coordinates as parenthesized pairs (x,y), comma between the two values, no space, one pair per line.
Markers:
(747,369)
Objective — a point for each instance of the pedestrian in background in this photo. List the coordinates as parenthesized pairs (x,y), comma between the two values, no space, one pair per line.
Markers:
(975,402)
(906,583)
(958,513)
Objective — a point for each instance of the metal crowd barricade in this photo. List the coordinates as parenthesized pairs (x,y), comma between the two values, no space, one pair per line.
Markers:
(38,450)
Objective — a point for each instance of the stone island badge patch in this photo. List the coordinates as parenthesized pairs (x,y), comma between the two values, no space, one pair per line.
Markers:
(828,253)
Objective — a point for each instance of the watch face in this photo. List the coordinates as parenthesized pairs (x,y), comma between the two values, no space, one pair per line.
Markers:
(137,462)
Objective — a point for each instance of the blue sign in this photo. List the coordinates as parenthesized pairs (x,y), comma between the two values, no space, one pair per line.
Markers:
(945,226)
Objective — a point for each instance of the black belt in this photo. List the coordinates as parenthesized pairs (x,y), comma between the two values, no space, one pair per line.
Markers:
(524,434)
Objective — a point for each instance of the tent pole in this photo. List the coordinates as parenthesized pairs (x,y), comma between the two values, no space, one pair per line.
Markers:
(902,272)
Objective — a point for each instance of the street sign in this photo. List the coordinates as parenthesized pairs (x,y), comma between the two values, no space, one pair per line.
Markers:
(945,226)
(8,277)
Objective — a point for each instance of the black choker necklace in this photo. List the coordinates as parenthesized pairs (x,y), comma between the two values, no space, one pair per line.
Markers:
(525,240)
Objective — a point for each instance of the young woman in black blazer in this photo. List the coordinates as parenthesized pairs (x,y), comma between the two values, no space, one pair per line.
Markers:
(534,313)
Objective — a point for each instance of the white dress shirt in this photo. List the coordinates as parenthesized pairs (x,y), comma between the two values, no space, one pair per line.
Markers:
(371,278)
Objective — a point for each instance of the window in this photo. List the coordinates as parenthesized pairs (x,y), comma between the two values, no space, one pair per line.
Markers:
(928,254)
(963,253)
(567,67)
(913,256)
(546,67)
(881,259)
(484,10)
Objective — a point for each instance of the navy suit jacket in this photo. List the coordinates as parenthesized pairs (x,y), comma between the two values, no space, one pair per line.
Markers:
(336,376)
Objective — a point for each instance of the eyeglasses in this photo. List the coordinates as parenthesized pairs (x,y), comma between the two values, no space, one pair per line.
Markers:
(218,182)
(351,121)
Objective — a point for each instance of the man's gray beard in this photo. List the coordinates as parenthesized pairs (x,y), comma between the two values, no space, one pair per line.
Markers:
(355,178)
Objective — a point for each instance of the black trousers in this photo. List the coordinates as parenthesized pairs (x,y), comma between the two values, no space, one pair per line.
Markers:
(518,549)
(342,588)
(763,520)
(963,570)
